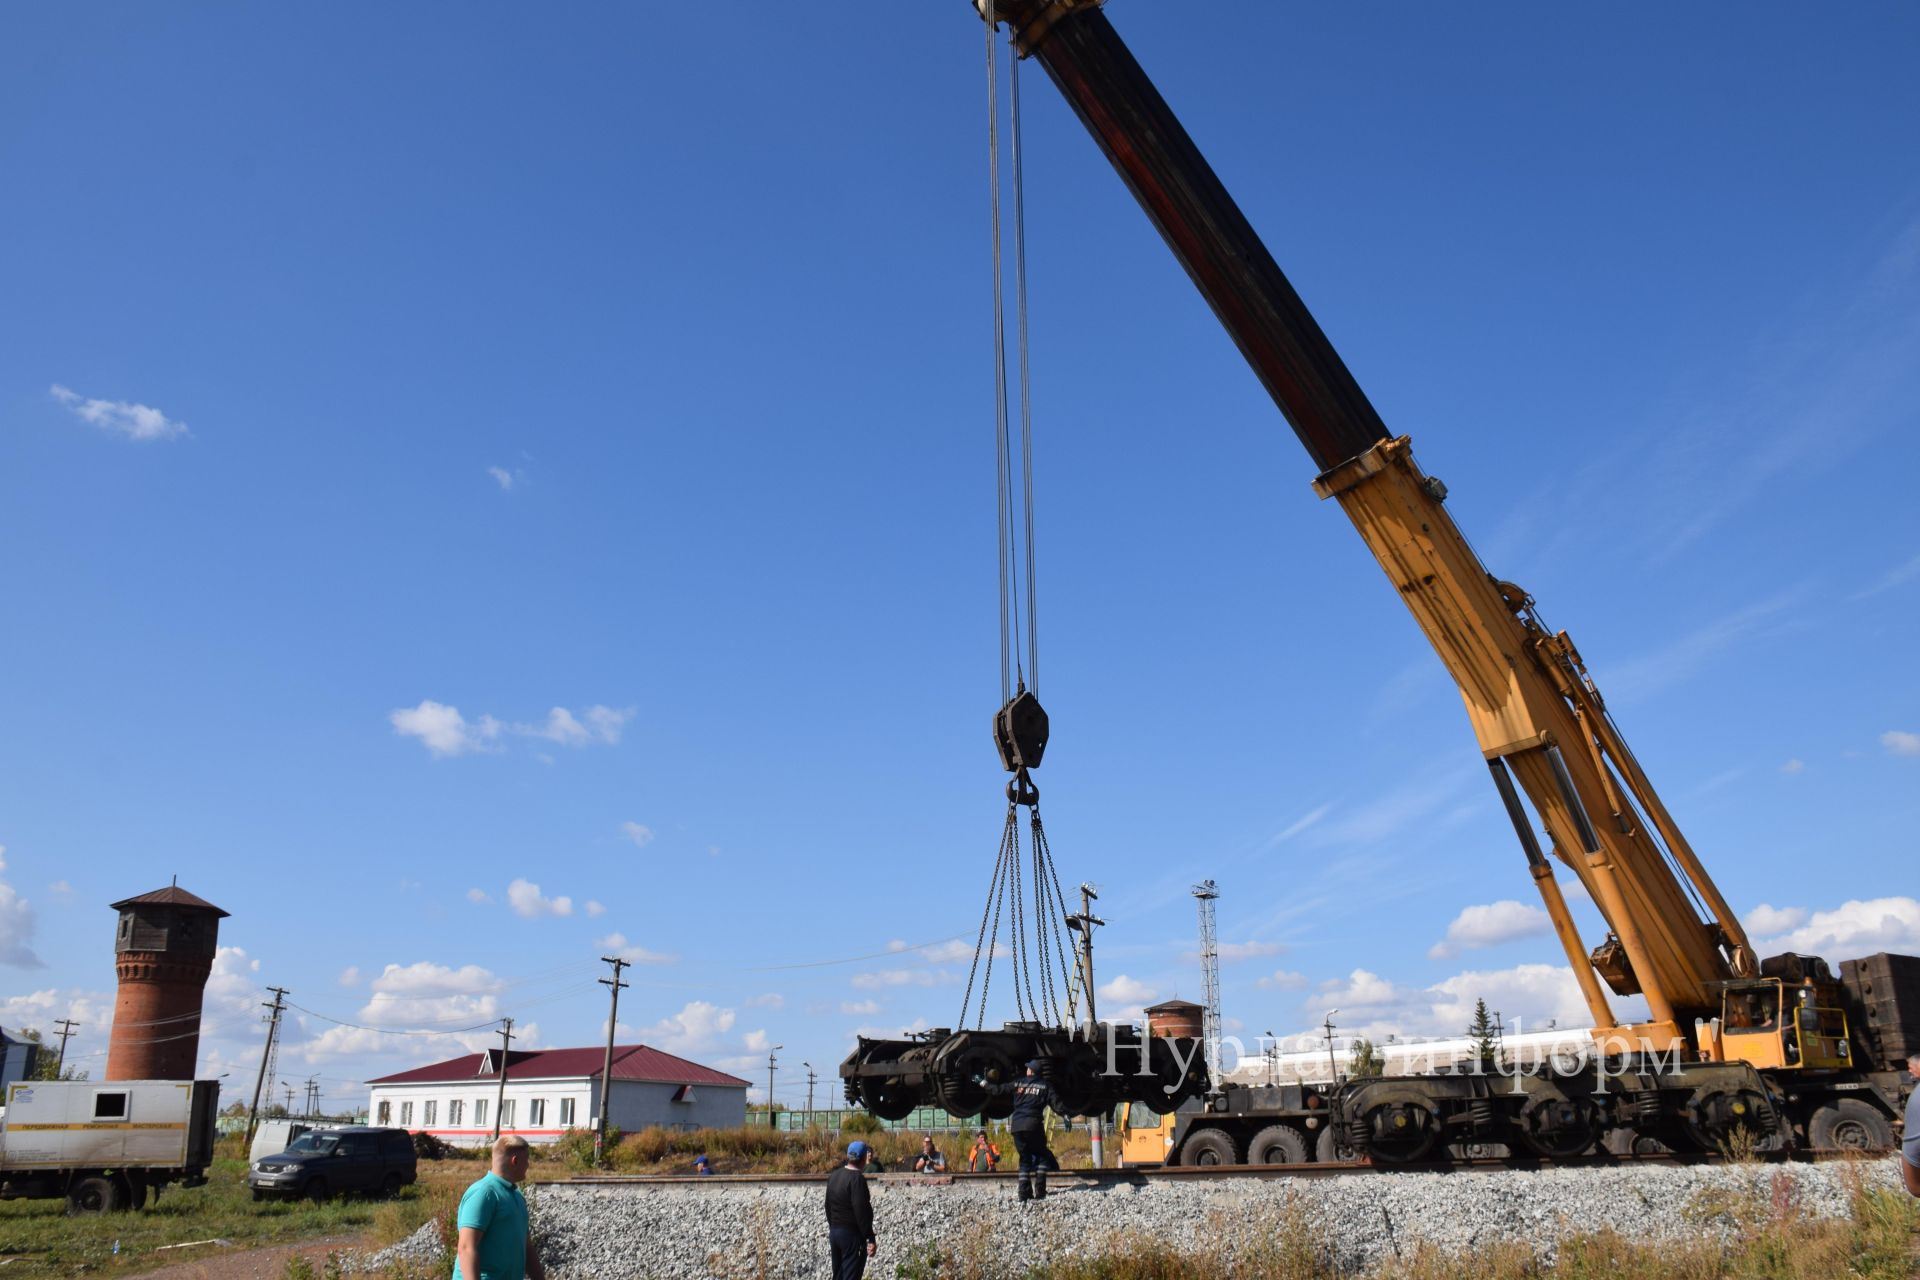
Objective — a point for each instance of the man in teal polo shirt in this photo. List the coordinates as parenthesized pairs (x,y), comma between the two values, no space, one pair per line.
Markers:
(494,1243)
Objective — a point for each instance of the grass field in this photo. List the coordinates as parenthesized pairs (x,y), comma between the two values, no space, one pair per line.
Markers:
(37,1238)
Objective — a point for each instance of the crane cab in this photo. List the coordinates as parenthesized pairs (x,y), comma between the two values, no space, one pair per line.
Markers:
(1146,1137)
(1768,1022)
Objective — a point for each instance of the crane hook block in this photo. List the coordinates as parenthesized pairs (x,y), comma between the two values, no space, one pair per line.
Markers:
(1020,731)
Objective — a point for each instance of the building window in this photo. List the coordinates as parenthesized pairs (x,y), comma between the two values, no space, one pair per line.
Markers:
(406,1115)
(506,1114)
(480,1113)
(385,1113)
(429,1113)
(536,1112)
(454,1112)
(566,1113)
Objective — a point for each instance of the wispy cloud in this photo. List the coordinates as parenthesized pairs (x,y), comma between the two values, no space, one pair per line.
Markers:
(121,417)
(633,953)
(443,730)
(1650,673)
(507,480)
(641,836)
(1897,576)
(1901,743)
(596,726)
(1302,823)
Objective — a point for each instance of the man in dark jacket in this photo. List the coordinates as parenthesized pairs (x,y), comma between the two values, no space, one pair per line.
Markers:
(850,1215)
(1028,1124)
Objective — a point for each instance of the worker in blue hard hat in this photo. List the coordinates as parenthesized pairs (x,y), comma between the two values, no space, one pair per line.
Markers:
(1032,1095)
(850,1238)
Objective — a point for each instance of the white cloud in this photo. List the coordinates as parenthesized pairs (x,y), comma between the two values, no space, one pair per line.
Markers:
(860,1006)
(1795,765)
(350,976)
(1855,928)
(641,836)
(698,1026)
(1901,743)
(525,898)
(617,944)
(1490,925)
(479,895)
(506,479)
(767,1000)
(443,730)
(59,888)
(1766,921)
(1283,980)
(16,926)
(1526,996)
(596,726)
(884,978)
(757,1042)
(594,908)
(134,421)
(1125,990)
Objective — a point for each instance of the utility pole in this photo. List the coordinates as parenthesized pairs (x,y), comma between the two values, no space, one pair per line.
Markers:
(266,1055)
(810,1080)
(1205,892)
(1084,924)
(289,1089)
(313,1097)
(773,1121)
(1273,1059)
(1331,1065)
(613,986)
(500,1094)
(66,1026)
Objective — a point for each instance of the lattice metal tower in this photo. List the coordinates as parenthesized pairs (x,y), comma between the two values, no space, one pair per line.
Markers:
(1205,892)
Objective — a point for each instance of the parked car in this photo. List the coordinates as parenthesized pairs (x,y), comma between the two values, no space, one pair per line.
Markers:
(327,1162)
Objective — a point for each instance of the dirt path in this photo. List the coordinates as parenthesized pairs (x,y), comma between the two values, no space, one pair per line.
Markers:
(215,1263)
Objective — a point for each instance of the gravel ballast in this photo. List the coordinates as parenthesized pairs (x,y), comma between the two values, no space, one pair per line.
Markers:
(710,1228)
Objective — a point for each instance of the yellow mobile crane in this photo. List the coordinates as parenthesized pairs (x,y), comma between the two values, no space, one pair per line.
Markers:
(1731,1040)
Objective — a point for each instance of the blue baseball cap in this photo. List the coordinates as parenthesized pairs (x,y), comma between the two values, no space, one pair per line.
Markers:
(1037,1065)
(857,1149)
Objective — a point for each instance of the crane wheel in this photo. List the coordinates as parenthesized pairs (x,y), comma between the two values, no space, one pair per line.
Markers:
(1328,1149)
(1209,1147)
(1278,1144)
(1849,1125)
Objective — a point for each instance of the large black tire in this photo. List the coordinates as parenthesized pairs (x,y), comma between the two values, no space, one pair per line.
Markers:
(390,1186)
(315,1189)
(94,1195)
(1327,1148)
(1208,1147)
(1849,1125)
(1278,1144)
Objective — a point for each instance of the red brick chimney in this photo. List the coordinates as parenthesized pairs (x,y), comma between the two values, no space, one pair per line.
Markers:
(163,953)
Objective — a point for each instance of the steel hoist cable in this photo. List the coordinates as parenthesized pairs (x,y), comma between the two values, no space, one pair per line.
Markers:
(1036,928)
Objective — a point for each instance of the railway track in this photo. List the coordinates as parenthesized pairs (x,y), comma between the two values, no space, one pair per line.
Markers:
(1178,1173)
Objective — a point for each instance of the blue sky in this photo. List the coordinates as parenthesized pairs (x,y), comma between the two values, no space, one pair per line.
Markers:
(618,381)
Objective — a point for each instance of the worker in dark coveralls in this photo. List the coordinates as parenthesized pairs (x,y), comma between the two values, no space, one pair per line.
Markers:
(850,1215)
(1028,1124)
(1910,1137)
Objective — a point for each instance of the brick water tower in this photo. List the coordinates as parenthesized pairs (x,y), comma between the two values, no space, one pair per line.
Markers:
(163,953)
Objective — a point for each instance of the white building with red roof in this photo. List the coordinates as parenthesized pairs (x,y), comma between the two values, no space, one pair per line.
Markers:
(549,1091)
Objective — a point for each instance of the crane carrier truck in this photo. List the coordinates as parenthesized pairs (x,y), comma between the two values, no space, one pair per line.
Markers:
(1778,1046)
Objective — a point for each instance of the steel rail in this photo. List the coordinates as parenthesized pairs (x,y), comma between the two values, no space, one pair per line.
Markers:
(1180,1173)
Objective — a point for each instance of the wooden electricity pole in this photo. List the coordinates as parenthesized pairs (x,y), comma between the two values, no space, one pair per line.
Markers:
(66,1026)
(266,1056)
(613,986)
(500,1095)
(1084,924)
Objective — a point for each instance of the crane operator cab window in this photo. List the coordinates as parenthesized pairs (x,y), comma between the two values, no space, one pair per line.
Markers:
(1752,1009)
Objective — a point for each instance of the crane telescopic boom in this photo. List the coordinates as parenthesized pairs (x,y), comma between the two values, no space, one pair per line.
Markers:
(1540,721)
